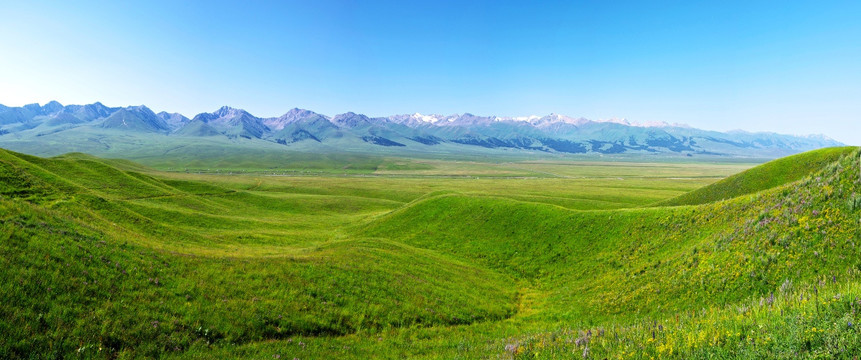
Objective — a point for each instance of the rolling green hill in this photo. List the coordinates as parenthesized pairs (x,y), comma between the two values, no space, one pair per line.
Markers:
(95,257)
(106,258)
(774,173)
(662,259)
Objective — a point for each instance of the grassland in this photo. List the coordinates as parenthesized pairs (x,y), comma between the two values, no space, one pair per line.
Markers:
(395,258)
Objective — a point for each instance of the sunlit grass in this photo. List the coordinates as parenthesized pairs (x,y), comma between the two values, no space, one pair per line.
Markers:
(426,259)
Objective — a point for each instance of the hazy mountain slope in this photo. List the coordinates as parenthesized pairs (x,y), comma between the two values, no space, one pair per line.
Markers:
(313,127)
(197,127)
(174,121)
(136,118)
(234,122)
(290,117)
(89,112)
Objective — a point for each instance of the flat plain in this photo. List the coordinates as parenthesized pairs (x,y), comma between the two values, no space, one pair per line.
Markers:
(358,257)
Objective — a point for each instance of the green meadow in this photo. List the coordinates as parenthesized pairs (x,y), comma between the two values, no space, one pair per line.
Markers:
(353,256)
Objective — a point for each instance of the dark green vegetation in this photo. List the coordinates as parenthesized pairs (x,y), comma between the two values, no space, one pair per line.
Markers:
(105,258)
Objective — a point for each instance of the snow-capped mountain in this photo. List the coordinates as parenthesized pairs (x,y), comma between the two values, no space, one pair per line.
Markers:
(457,133)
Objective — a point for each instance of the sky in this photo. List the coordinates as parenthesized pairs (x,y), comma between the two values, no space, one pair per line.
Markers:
(781,66)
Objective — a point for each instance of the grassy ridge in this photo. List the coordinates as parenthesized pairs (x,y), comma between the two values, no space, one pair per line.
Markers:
(769,175)
(74,290)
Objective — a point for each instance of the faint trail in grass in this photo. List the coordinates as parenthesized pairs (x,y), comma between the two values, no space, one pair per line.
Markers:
(527,299)
(540,172)
(259,182)
(179,195)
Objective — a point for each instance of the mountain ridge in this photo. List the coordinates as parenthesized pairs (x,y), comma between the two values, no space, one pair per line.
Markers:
(456,133)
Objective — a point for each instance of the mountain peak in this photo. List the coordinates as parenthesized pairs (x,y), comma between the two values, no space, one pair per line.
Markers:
(173,120)
(350,119)
(52,107)
(227,111)
(234,122)
(139,108)
(224,110)
(433,119)
(291,116)
(135,118)
(294,112)
(33,107)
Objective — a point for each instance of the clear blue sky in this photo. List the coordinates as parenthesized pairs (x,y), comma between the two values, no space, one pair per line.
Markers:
(789,67)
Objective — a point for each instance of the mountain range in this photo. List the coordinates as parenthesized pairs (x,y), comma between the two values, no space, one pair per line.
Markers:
(54,125)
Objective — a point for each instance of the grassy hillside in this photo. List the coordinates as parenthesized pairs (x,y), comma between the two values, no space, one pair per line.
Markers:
(597,265)
(769,175)
(88,266)
(106,258)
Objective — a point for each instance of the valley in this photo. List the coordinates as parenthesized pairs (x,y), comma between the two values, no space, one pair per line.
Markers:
(421,258)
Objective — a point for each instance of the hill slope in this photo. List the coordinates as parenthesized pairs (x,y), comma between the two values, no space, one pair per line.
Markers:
(774,173)
(99,260)
(600,264)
